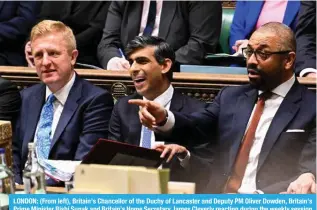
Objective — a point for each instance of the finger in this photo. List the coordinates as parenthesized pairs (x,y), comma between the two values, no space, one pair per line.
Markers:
(145,121)
(290,188)
(148,116)
(158,146)
(173,151)
(305,189)
(313,188)
(283,192)
(166,150)
(138,102)
(126,65)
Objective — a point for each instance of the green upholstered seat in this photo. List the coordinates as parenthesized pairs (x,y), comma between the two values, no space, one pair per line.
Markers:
(227,16)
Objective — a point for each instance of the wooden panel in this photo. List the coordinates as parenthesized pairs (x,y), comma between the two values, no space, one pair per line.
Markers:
(6,141)
(202,86)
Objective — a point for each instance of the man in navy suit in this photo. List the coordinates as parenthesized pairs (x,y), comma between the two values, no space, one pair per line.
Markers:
(266,130)
(65,112)
(152,62)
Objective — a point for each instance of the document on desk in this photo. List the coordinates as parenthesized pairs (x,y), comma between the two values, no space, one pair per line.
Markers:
(62,170)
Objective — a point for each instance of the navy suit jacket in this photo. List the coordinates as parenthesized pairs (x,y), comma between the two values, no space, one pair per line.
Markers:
(246,16)
(16,20)
(84,120)
(284,155)
(125,127)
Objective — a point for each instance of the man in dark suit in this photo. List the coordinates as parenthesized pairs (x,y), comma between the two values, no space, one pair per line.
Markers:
(306,40)
(191,28)
(266,130)
(152,62)
(66,115)
(10,100)
(16,21)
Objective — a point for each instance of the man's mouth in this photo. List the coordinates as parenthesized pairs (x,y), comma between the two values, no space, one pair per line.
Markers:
(139,80)
(48,71)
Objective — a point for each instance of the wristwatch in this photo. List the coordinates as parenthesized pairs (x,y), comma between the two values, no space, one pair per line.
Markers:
(165,120)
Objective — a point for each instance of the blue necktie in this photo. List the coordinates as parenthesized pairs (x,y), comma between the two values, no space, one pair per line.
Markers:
(146,139)
(43,134)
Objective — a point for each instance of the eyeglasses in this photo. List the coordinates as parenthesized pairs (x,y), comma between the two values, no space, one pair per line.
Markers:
(259,55)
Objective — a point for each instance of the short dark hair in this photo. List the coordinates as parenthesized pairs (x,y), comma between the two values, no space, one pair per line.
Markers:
(161,52)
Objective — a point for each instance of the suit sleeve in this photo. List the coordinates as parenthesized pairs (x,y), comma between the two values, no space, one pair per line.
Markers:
(21,24)
(237,29)
(92,33)
(115,124)
(306,37)
(10,101)
(111,41)
(95,123)
(204,31)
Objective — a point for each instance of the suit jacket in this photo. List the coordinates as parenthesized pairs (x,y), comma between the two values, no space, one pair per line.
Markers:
(10,101)
(191,28)
(84,120)
(246,16)
(125,127)
(306,37)
(16,20)
(281,151)
(85,18)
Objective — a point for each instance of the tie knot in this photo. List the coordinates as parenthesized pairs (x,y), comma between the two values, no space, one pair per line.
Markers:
(265,95)
(51,98)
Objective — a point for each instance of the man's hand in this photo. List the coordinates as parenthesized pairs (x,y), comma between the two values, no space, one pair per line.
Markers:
(304,184)
(312,74)
(117,63)
(28,54)
(238,45)
(171,149)
(151,113)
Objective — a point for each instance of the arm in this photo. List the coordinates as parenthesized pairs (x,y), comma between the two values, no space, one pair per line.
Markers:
(306,37)
(204,30)
(111,41)
(10,101)
(237,29)
(95,123)
(115,124)
(20,24)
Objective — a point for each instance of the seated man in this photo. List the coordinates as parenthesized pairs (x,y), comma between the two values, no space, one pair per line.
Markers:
(152,62)
(264,129)
(191,28)
(65,115)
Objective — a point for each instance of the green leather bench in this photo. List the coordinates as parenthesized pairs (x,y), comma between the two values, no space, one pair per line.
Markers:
(227,16)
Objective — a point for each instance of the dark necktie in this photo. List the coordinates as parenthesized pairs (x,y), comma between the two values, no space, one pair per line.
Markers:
(235,180)
(150,19)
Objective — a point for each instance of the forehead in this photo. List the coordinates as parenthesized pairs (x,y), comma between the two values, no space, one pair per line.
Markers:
(264,40)
(49,41)
(144,52)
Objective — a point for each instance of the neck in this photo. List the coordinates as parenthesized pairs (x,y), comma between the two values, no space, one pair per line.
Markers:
(159,91)
(54,87)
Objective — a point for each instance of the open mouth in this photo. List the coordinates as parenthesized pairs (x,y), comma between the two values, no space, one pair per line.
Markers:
(139,80)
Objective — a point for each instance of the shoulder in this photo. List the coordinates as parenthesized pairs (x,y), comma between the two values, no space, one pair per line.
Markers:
(31,90)
(89,89)
(6,84)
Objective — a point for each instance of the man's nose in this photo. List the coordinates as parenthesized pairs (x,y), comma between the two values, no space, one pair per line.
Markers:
(46,59)
(252,59)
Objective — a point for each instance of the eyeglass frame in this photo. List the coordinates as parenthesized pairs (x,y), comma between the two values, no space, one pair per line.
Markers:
(267,54)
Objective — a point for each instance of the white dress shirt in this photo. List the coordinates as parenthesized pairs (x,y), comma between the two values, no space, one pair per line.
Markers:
(61,97)
(272,104)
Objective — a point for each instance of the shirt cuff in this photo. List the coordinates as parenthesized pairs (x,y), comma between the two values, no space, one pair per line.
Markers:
(169,123)
(306,71)
(258,192)
(184,161)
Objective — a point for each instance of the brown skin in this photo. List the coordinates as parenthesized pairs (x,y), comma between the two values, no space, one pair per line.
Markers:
(148,75)
(276,69)
(54,62)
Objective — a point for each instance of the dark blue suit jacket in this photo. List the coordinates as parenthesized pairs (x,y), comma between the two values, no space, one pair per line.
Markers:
(246,16)
(84,120)
(16,20)
(284,155)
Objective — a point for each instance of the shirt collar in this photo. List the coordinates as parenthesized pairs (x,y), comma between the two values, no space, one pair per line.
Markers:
(165,97)
(283,88)
(62,94)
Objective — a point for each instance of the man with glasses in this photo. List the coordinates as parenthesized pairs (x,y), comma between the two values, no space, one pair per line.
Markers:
(266,130)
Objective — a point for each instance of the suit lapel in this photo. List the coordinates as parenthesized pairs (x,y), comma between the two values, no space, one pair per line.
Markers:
(35,107)
(135,126)
(177,102)
(291,11)
(285,113)
(69,109)
(133,24)
(168,12)
(245,105)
